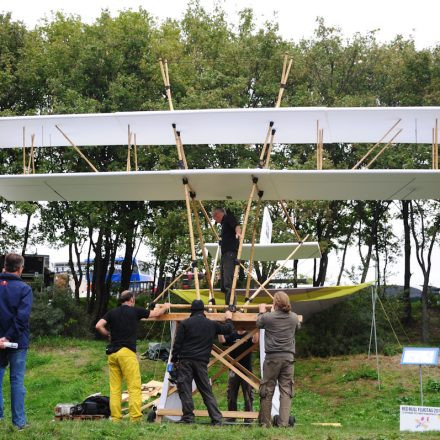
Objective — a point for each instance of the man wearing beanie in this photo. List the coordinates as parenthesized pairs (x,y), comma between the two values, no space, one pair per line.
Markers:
(190,355)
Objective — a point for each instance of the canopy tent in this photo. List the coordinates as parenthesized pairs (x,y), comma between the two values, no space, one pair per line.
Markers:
(305,300)
(230,184)
(274,251)
(224,126)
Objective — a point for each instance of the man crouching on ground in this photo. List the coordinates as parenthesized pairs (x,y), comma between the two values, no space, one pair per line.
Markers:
(122,361)
(279,343)
(191,352)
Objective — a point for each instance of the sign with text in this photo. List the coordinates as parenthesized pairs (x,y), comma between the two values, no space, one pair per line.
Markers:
(419,418)
(420,356)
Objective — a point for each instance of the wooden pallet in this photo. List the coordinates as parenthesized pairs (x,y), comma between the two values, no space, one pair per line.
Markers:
(80,417)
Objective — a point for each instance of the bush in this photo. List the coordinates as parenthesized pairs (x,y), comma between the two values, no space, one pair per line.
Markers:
(56,313)
(344,328)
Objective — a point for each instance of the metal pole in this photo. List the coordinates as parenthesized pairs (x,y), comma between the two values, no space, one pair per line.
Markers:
(421,385)
(374,323)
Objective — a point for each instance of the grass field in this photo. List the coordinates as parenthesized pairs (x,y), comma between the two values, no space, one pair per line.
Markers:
(340,389)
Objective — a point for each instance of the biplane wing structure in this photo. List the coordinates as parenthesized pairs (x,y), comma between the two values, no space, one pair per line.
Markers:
(274,251)
(223,126)
(224,184)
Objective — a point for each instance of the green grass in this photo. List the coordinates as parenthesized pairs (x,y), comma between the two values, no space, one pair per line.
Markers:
(339,389)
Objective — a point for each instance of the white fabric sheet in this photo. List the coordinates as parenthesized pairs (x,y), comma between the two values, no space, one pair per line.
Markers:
(224,126)
(274,251)
(232,184)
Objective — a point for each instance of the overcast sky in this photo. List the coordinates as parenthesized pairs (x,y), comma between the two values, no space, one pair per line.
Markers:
(296,19)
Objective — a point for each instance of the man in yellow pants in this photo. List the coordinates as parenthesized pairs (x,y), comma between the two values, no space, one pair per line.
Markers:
(122,360)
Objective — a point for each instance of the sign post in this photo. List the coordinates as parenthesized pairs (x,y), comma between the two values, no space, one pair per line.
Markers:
(420,356)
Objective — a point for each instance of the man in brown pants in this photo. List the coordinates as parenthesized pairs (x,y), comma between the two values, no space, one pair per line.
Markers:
(279,342)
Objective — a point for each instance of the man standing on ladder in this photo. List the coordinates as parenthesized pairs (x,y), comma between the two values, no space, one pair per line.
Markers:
(230,236)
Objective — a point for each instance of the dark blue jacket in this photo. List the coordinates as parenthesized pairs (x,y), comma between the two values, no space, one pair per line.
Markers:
(15,308)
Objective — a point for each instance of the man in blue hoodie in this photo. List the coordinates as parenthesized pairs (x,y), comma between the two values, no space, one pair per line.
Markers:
(15,308)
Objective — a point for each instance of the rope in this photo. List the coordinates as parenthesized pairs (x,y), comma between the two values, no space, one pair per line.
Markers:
(388,319)
(396,316)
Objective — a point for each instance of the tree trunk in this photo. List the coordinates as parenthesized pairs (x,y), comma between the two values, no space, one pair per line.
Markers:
(425,316)
(344,253)
(26,234)
(407,310)
(295,273)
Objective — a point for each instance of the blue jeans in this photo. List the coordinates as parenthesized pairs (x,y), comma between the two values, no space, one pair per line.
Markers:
(17,368)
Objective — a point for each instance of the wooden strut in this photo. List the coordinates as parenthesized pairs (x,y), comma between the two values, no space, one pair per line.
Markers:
(129,150)
(254,235)
(384,148)
(289,219)
(319,146)
(240,246)
(31,156)
(237,364)
(269,279)
(284,77)
(376,144)
(135,154)
(24,151)
(166,80)
(269,150)
(237,360)
(435,146)
(77,149)
(202,245)
(171,284)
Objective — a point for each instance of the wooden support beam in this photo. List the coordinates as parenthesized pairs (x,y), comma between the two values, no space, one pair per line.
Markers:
(214,306)
(24,150)
(289,219)
(283,264)
(129,149)
(254,235)
(204,413)
(237,359)
(376,145)
(77,149)
(171,284)
(237,343)
(243,234)
(222,359)
(135,154)
(237,364)
(202,245)
(236,317)
(383,149)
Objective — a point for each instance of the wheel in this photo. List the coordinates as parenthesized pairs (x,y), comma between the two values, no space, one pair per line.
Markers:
(151,416)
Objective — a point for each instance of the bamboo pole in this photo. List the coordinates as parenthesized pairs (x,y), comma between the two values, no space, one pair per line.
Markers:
(24,150)
(202,245)
(77,149)
(257,281)
(243,233)
(129,150)
(384,148)
(31,156)
(433,150)
(321,148)
(269,151)
(376,145)
(213,230)
(171,284)
(135,154)
(283,264)
(166,79)
(284,77)
(266,140)
(289,220)
(254,235)
(436,144)
(191,237)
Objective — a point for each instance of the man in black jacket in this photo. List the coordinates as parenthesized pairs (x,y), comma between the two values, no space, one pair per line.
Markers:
(191,352)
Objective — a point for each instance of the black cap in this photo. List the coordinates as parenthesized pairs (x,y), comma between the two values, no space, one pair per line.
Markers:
(197,305)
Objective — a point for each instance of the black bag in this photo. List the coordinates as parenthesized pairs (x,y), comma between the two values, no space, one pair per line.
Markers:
(93,406)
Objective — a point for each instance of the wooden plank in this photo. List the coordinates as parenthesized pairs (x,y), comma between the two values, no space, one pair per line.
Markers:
(236,317)
(204,413)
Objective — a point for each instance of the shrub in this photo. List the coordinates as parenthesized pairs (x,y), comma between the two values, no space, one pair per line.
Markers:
(56,313)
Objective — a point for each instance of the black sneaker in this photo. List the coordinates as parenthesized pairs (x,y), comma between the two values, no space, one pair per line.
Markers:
(186,421)
(216,423)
